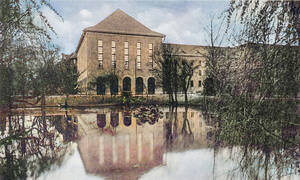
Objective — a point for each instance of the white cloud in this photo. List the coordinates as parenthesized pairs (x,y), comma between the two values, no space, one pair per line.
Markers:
(180,24)
(84,13)
(184,27)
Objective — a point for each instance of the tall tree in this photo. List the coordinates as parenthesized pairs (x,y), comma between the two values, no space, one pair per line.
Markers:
(186,72)
(265,76)
(167,70)
(25,34)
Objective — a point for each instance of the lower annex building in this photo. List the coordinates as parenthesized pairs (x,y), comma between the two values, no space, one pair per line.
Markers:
(121,45)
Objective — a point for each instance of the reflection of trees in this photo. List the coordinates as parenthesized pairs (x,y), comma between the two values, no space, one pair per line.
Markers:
(265,132)
(186,128)
(150,114)
(29,146)
(262,164)
(67,126)
(171,127)
(178,137)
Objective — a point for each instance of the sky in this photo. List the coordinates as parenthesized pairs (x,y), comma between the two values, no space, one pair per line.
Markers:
(182,21)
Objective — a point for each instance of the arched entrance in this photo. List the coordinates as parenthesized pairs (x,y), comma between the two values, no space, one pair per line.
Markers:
(114,85)
(126,84)
(151,85)
(101,86)
(139,85)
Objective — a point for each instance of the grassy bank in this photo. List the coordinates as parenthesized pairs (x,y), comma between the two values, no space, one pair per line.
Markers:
(102,100)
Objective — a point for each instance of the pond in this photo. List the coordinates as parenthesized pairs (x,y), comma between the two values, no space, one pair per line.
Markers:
(147,142)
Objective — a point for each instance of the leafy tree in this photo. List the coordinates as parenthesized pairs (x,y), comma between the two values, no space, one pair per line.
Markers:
(186,71)
(259,114)
(282,18)
(6,76)
(69,75)
(208,87)
(100,83)
(167,70)
(25,35)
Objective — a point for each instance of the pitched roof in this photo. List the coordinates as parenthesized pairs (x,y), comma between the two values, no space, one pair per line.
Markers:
(188,50)
(121,23)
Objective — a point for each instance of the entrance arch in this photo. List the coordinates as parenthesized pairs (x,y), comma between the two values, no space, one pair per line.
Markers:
(100,86)
(151,85)
(114,85)
(139,85)
(127,84)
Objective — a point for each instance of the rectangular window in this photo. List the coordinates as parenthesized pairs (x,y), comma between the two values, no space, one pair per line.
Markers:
(200,73)
(151,55)
(126,55)
(192,83)
(113,54)
(138,57)
(200,83)
(100,54)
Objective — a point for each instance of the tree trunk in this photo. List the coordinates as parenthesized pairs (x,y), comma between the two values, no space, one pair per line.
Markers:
(185,98)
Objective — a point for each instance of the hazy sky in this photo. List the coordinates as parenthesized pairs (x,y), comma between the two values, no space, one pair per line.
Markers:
(181,21)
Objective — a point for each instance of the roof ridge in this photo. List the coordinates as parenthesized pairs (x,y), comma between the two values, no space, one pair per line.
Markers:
(121,22)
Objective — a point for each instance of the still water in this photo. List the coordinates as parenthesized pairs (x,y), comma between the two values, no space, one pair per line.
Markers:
(119,143)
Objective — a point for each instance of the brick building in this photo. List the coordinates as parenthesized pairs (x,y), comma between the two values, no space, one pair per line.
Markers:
(121,45)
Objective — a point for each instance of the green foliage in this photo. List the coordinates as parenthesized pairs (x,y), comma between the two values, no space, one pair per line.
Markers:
(68,75)
(26,50)
(166,71)
(128,100)
(255,86)
(280,17)
(186,72)
(6,93)
(106,80)
(209,88)
(172,72)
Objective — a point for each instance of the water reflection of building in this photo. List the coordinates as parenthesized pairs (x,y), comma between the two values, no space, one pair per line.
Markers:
(113,145)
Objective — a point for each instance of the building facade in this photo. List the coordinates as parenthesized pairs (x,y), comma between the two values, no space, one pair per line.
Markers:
(122,46)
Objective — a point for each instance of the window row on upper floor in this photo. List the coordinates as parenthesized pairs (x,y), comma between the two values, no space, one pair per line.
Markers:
(126,54)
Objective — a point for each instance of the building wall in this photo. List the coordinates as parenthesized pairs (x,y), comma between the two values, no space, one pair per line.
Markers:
(88,64)
(199,61)
(82,64)
(88,57)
